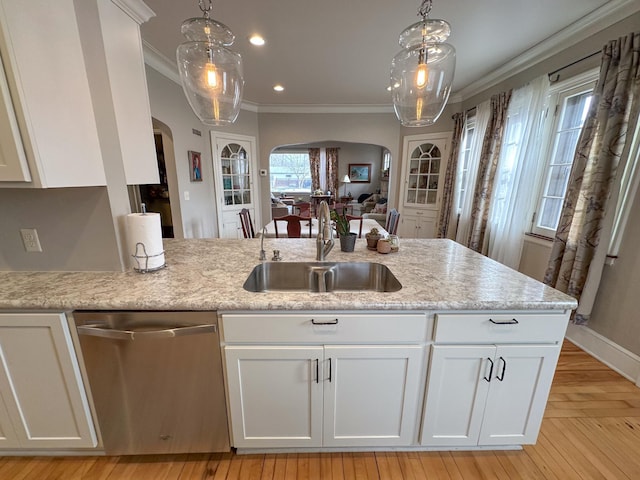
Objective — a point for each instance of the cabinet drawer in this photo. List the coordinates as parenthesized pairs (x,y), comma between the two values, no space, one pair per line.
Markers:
(500,327)
(325,328)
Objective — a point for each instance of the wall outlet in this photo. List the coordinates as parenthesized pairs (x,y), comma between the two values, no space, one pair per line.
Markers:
(30,240)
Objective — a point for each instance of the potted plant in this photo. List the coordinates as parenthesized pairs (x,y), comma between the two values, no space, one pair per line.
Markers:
(343,229)
(372,238)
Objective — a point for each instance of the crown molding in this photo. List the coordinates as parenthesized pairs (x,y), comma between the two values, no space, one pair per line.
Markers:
(341,108)
(136,9)
(599,19)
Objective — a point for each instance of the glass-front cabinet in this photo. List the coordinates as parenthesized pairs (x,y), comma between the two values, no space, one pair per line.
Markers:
(424,174)
(235,169)
(423,168)
(236,180)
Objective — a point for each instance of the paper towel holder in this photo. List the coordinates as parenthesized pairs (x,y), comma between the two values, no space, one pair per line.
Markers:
(137,257)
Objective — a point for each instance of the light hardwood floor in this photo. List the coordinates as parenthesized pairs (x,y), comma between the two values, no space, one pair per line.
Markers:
(591,431)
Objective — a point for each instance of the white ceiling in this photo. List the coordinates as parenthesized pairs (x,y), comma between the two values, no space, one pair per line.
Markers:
(338,52)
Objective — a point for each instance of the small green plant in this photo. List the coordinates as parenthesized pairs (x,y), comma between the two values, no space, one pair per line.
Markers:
(374,232)
(342,224)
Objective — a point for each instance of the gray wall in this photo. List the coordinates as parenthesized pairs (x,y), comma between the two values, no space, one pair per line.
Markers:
(75,227)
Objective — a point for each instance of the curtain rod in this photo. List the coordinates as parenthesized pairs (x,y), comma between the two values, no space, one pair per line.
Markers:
(573,63)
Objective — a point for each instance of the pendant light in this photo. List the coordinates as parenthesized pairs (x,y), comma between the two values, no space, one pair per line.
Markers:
(210,73)
(422,72)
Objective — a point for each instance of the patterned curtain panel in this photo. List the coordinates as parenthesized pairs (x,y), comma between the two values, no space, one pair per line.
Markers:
(487,171)
(579,247)
(332,170)
(314,166)
(459,120)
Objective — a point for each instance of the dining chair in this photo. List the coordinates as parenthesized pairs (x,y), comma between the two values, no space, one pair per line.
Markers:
(302,208)
(355,217)
(392,222)
(245,221)
(294,225)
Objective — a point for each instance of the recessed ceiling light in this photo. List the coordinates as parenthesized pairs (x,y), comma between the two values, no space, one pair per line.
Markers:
(278,88)
(256,40)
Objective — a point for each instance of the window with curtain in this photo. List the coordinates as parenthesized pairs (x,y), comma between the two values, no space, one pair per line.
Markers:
(569,104)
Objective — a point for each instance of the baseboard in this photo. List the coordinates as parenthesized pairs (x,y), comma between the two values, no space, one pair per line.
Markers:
(611,354)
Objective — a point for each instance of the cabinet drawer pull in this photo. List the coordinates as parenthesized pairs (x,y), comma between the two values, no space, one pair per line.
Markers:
(317,370)
(329,322)
(329,370)
(513,321)
(504,369)
(488,379)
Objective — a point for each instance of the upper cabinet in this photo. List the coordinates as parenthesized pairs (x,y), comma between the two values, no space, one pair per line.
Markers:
(75,105)
(48,98)
(120,21)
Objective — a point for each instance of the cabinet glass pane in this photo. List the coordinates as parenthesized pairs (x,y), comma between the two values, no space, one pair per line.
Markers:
(424,171)
(236,175)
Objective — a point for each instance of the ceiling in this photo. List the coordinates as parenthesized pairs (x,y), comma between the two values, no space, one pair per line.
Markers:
(338,52)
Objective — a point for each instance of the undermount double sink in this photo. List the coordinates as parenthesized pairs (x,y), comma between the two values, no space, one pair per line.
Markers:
(321,277)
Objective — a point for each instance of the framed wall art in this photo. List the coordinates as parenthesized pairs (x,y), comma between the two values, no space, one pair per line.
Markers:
(360,172)
(195,166)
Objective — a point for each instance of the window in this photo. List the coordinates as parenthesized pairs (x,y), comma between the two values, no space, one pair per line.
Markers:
(572,100)
(464,162)
(290,172)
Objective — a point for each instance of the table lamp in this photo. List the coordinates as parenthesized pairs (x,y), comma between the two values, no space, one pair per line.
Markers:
(346,180)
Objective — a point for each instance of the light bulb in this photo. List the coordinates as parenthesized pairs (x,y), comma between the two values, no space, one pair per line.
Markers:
(422,75)
(212,76)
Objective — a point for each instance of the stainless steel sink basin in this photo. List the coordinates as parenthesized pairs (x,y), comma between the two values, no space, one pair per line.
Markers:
(321,277)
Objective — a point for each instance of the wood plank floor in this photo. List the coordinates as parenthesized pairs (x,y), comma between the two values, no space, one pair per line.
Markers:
(591,431)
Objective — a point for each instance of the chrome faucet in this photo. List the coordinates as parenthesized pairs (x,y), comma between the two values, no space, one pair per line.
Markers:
(324,246)
(263,255)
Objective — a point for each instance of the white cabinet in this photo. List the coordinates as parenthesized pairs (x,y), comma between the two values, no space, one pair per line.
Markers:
(423,169)
(46,74)
(417,223)
(487,395)
(120,21)
(489,377)
(330,394)
(43,403)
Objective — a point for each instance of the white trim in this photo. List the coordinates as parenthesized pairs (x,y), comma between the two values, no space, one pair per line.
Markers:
(601,18)
(538,240)
(136,9)
(344,108)
(621,360)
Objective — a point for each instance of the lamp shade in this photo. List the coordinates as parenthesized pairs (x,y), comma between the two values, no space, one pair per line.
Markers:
(346,179)
(210,73)
(422,73)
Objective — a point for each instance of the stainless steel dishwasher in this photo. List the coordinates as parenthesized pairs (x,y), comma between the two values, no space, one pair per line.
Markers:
(156,380)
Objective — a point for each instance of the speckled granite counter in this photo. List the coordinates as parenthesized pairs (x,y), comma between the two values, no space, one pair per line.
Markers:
(208,274)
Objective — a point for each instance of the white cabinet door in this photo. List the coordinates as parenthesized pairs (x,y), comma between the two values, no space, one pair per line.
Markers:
(371,395)
(518,394)
(40,384)
(13,160)
(275,395)
(45,68)
(418,225)
(457,389)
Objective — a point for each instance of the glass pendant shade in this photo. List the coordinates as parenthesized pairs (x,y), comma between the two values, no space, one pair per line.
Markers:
(422,73)
(210,73)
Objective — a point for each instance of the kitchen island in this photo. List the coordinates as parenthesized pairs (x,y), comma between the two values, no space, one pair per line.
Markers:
(208,274)
(462,356)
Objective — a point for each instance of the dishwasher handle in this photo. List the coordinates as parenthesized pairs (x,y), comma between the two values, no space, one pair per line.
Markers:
(112,334)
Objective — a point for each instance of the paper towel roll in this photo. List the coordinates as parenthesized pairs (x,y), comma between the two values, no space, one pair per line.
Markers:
(145,228)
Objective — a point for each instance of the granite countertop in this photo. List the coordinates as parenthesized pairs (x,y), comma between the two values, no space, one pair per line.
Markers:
(208,274)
